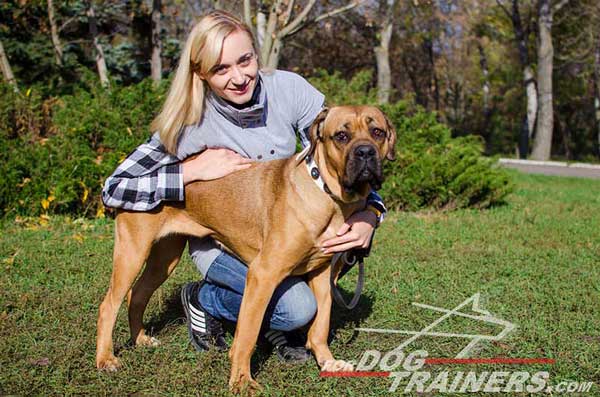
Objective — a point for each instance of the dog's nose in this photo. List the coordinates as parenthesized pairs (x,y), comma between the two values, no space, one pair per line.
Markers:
(365,152)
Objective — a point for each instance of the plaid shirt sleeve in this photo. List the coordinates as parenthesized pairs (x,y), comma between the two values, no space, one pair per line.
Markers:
(146,177)
(373,198)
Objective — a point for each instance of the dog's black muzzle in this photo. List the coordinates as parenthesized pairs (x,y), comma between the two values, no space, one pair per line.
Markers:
(363,166)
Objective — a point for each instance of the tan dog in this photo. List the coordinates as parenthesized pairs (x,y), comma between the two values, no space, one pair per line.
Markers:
(273,216)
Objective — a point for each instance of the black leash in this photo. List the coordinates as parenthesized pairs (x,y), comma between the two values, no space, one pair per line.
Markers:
(350,259)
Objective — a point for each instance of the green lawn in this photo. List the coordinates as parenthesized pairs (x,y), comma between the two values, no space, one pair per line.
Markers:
(535,261)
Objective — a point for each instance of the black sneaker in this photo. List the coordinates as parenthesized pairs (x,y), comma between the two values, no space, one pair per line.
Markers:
(287,351)
(205,331)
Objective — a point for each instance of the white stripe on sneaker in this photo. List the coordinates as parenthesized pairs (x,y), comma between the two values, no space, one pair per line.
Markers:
(199,329)
(196,312)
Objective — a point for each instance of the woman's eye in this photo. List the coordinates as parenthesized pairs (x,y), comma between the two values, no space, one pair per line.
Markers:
(245,62)
(378,133)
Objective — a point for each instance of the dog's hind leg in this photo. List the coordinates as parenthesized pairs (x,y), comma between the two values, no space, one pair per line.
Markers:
(132,246)
(163,258)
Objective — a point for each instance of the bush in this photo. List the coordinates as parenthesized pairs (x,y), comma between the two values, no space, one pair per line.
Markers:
(60,166)
(432,169)
(56,153)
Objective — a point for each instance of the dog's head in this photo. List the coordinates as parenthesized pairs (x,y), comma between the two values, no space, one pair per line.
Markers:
(350,144)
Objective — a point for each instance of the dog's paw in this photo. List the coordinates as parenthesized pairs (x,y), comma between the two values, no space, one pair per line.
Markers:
(244,385)
(145,340)
(337,366)
(110,364)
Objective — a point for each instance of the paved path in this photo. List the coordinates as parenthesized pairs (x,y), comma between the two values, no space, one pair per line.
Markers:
(580,170)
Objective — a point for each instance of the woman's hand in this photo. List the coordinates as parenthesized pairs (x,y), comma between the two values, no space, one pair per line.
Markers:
(356,232)
(213,164)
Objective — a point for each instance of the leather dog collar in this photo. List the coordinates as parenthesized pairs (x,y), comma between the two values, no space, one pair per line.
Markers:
(313,170)
(315,174)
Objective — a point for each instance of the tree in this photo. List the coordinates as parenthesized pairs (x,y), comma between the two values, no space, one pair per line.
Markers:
(382,51)
(6,69)
(597,92)
(100,59)
(56,44)
(156,64)
(522,40)
(273,29)
(542,144)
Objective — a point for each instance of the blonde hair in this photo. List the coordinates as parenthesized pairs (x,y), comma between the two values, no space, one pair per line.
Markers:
(185,101)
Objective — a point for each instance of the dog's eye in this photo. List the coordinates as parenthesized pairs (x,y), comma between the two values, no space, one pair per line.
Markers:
(341,136)
(378,133)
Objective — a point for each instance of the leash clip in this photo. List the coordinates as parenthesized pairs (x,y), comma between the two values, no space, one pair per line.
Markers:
(349,259)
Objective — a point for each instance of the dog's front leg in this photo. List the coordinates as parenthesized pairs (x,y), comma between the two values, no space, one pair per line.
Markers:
(261,282)
(319,329)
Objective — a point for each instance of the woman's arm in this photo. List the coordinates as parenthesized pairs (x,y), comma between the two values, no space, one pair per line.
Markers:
(150,175)
(146,177)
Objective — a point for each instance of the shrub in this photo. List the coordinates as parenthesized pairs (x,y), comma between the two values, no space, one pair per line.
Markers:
(62,169)
(56,153)
(432,169)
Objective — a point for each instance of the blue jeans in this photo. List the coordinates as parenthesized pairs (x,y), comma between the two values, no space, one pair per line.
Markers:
(292,305)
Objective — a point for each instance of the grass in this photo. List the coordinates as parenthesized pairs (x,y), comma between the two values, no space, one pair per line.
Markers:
(535,262)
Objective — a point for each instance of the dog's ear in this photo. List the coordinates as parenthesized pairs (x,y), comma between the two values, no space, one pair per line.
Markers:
(391,137)
(317,127)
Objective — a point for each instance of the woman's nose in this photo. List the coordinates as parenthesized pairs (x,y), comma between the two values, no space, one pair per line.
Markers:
(237,76)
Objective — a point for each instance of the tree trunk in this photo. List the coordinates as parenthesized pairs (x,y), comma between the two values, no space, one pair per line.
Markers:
(532,100)
(562,128)
(521,38)
(436,84)
(486,89)
(382,54)
(56,44)
(156,63)
(273,61)
(486,77)
(100,60)
(597,94)
(420,98)
(270,34)
(261,24)
(7,73)
(542,144)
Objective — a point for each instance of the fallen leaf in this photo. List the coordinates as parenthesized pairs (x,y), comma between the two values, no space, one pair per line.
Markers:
(502,345)
(11,259)
(40,361)
(24,182)
(590,339)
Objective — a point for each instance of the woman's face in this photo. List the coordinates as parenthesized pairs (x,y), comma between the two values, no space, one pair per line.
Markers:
(234,77)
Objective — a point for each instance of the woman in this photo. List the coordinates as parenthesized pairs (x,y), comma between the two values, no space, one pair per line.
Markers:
(221,106)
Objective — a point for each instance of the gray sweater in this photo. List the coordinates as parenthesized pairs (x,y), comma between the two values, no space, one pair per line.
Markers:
(284,105)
